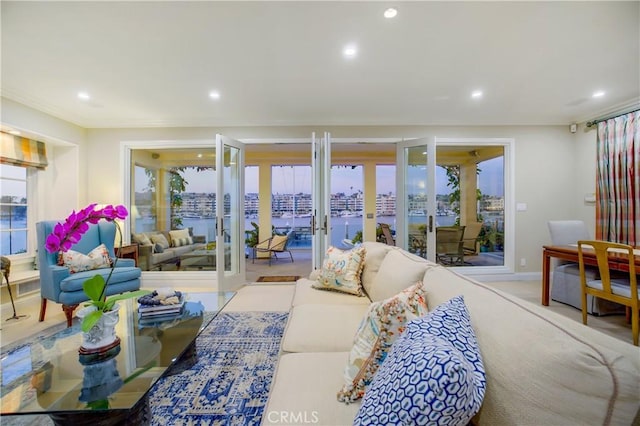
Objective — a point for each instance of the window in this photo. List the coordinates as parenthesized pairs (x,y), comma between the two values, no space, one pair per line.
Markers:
(13,210)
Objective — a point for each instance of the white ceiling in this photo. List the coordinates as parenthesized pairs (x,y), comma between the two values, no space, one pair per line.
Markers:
(280,63)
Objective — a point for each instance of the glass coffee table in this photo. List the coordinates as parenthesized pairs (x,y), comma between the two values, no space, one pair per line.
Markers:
(45,374)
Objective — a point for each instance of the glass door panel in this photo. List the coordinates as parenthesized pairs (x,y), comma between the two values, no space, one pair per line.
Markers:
(416,200)
(230,212)
(321,198)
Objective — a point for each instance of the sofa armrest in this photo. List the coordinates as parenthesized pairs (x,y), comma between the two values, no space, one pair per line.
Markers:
(199,238)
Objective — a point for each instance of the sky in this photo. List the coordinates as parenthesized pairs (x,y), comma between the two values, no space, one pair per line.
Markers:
(343,179)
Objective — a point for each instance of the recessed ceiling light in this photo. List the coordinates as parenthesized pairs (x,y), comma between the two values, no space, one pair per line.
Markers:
(84,96)
(350,51)
(214,94)
(199,155)
(598,94)
(390,13)
(476,94)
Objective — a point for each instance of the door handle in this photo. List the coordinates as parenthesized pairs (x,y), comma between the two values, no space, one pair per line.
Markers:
(430,223)
(313,225)
(325,224)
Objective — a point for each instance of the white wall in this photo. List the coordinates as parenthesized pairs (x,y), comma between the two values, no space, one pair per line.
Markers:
(62,186)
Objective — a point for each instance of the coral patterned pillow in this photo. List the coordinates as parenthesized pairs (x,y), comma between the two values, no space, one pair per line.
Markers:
(341,271)
(95,259)
(383,323)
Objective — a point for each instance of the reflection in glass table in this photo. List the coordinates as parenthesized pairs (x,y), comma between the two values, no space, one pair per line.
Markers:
(45,374)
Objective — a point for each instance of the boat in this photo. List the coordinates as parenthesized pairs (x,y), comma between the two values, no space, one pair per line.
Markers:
(348,213)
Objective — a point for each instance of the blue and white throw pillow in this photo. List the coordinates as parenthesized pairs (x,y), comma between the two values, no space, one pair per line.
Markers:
(433,375)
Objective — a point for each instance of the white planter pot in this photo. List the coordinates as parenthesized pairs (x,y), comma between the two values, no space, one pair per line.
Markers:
(104,332)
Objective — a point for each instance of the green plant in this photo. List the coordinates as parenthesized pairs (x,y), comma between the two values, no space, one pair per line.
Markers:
(252,235)
(357,238)
(453,182)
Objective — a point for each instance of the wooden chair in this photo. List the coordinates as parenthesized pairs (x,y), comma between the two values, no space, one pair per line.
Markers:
(274,245)
(449,245)
(386,233)
(620,290)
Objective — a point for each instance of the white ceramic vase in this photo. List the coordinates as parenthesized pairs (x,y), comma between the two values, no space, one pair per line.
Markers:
(103,333)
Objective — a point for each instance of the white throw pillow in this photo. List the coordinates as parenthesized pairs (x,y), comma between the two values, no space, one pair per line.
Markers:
(161,240)
(95,259)
(341,271)
(180,237)
(398,271)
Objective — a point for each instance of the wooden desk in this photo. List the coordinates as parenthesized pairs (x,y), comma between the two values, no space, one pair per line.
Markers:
(617,262)
(128,252)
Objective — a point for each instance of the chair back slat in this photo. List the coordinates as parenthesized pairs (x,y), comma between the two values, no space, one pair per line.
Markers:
(603,250)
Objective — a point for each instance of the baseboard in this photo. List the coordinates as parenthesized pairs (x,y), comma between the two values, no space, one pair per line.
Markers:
(517,276)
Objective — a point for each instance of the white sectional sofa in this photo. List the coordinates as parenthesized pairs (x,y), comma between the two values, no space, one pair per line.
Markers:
(541,368)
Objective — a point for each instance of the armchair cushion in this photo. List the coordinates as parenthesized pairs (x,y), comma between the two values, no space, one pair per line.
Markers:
(95,259)
(75,281)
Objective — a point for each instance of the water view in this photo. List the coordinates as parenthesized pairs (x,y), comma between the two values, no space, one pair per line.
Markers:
(342,228)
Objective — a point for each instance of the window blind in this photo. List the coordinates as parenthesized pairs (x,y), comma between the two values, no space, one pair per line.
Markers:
(24,152)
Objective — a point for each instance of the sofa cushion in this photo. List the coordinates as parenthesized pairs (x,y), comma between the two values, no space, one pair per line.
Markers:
(305,294)
(142,239)
(542,367)
(160,239)
(322,328)
(382,324)
(399,270)
(341,271)
(376,253)
(180,237)
(303,391)
(95,259)
(433,374)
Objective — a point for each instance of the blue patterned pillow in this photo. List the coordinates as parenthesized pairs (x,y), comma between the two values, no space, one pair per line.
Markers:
(433,374)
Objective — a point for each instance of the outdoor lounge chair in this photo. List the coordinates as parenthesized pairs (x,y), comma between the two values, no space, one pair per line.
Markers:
(450,245)
(274,245)
(387,235)
(470,239)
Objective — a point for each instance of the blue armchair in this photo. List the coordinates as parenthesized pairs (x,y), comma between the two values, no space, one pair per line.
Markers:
(59,285)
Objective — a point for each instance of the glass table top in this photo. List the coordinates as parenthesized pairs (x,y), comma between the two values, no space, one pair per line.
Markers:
(44,374)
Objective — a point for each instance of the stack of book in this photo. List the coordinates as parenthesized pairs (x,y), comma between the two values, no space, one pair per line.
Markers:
(151,314)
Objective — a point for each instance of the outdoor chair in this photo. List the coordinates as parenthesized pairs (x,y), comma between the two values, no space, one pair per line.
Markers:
(449,245)
(274,245)
(622,290)
(59,285)
(470,238)
(387,235)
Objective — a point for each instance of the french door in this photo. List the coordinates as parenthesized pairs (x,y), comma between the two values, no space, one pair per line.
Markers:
(230,259)
(451,182)
(416,201)
(321,197)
